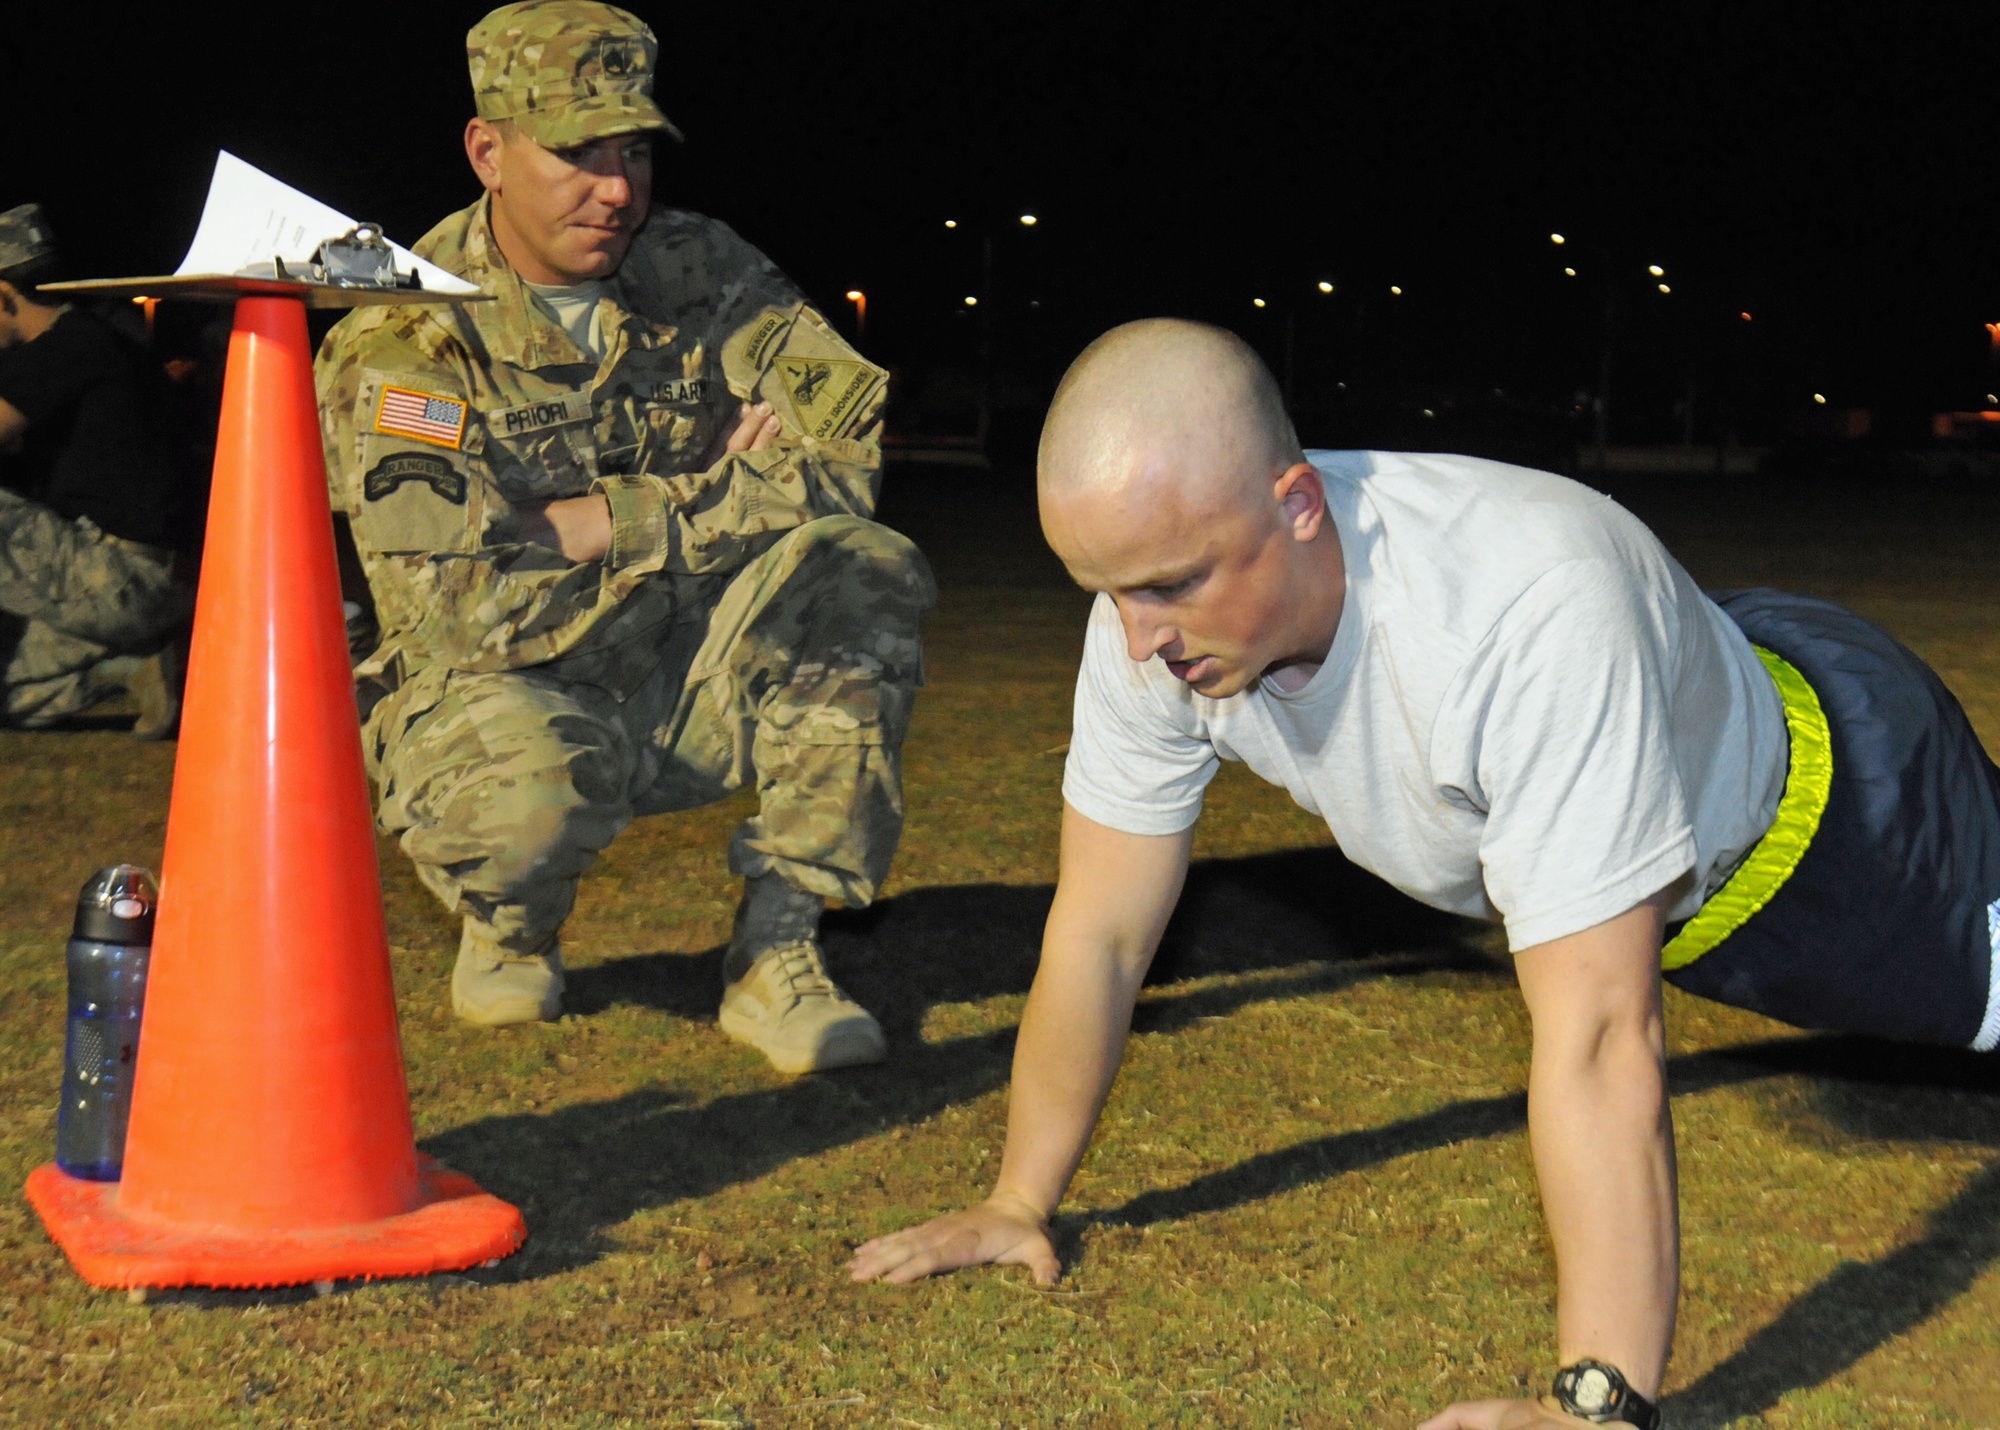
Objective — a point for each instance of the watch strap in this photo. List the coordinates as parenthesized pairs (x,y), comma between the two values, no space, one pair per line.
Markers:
(1599,1393)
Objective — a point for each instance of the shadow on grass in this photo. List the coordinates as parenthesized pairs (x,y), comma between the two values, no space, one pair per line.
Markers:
(1872,1090)
(1308,921)
(86,724)
(959,944)
(580,1171)
(1272,1174)
(1865,1089)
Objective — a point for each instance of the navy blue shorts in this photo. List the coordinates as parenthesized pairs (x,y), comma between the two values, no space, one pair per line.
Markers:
(1887,924)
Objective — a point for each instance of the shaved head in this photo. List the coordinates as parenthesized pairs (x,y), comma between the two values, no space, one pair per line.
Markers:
(1170,479)
(1165,402)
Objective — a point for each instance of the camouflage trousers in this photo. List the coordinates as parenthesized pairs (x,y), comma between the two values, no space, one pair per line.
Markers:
(505,786)
(74,600)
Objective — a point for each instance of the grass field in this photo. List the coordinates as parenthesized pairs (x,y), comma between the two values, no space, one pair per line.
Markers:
(1310,1202)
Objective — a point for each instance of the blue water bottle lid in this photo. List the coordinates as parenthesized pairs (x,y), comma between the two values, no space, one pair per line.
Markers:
(117,905)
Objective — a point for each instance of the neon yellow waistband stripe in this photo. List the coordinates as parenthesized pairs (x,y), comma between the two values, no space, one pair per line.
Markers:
(1807,784)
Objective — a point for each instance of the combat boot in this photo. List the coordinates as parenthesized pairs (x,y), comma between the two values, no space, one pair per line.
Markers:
(153,681)
(778,996)
(156,684)
(495,986)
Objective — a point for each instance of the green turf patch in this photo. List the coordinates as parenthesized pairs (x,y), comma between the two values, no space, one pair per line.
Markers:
(1310,1202)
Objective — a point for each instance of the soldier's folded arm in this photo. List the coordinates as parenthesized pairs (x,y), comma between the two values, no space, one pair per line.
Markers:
(498,605)
(783,352)
(825,461)
(447,547)
(447,559)
(717,521)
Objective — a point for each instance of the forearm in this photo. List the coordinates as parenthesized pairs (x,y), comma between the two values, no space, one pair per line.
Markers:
(1602,1136)
(578,527)
(718,521)
(1071,1041)
(1114,893)
(1113,896)
(845,476)
(504,607)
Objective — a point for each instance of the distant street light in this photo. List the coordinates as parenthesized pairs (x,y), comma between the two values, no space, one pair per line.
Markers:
(1027,220)
(1745,316)
(1569,273)
(1256,302)
(951,223)
(1820,398)
(1656,270)
(970,301)
(1665,289)
(1394,291)
(1324,286)
(860,301)
(1557,239)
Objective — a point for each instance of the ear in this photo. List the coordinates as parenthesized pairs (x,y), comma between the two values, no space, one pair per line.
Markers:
(10,299)
(483,142)
(1302,497)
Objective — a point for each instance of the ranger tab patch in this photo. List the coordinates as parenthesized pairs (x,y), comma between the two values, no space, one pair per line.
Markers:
(758,342)
(555,411)
(420,416)
(392,471)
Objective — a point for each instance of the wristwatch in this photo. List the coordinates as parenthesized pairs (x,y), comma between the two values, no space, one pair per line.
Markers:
(1594,1391)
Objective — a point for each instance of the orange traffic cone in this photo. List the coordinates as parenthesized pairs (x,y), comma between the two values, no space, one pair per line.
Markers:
(270,1136)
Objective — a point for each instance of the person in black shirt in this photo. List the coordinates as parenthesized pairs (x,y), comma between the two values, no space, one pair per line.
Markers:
(88,601)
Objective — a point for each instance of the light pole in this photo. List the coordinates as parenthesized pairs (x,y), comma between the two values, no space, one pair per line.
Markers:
(982,300)
(860,301)
(1601,408)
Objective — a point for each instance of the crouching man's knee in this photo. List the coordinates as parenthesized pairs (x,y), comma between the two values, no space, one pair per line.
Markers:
(496,797)
(859,572)
(845,629)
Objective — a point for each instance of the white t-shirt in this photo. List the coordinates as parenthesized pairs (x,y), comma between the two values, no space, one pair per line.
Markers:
(574,306)
(1529,712)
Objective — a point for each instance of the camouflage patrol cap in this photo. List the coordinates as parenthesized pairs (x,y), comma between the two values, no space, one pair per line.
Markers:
(566,71)
(25,237)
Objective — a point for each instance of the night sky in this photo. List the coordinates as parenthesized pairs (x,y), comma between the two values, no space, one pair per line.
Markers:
(1828,168)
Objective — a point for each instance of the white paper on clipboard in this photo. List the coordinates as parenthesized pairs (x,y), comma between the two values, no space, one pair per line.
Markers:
(251,218)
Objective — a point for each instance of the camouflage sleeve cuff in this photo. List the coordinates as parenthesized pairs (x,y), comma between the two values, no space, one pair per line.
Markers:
(640,530)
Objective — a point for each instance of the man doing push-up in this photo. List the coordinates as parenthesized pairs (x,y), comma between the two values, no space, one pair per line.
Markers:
(1506,699)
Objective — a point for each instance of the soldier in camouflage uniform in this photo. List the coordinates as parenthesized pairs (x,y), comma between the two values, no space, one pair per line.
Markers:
(616,524)
(87,494)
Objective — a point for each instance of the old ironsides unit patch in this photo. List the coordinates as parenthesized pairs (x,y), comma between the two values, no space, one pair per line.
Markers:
(421,416)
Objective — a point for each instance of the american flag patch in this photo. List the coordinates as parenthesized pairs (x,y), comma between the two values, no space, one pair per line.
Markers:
(422,416)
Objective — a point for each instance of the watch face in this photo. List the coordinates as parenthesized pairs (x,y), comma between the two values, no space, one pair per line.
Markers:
(1592,1391)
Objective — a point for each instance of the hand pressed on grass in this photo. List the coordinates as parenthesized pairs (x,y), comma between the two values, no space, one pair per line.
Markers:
(1113,897)
(1000,1230)
(1501,1415)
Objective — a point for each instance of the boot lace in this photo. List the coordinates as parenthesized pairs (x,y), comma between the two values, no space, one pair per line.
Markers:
(797,969)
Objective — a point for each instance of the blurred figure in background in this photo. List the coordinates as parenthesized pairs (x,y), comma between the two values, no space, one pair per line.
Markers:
(89,607)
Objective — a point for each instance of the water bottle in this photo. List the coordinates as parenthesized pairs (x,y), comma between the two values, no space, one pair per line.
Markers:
(108,952)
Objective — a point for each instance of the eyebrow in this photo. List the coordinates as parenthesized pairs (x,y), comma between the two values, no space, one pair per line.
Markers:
(1173,576)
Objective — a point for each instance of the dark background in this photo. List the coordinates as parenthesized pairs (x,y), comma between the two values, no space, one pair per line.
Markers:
(1828,168)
